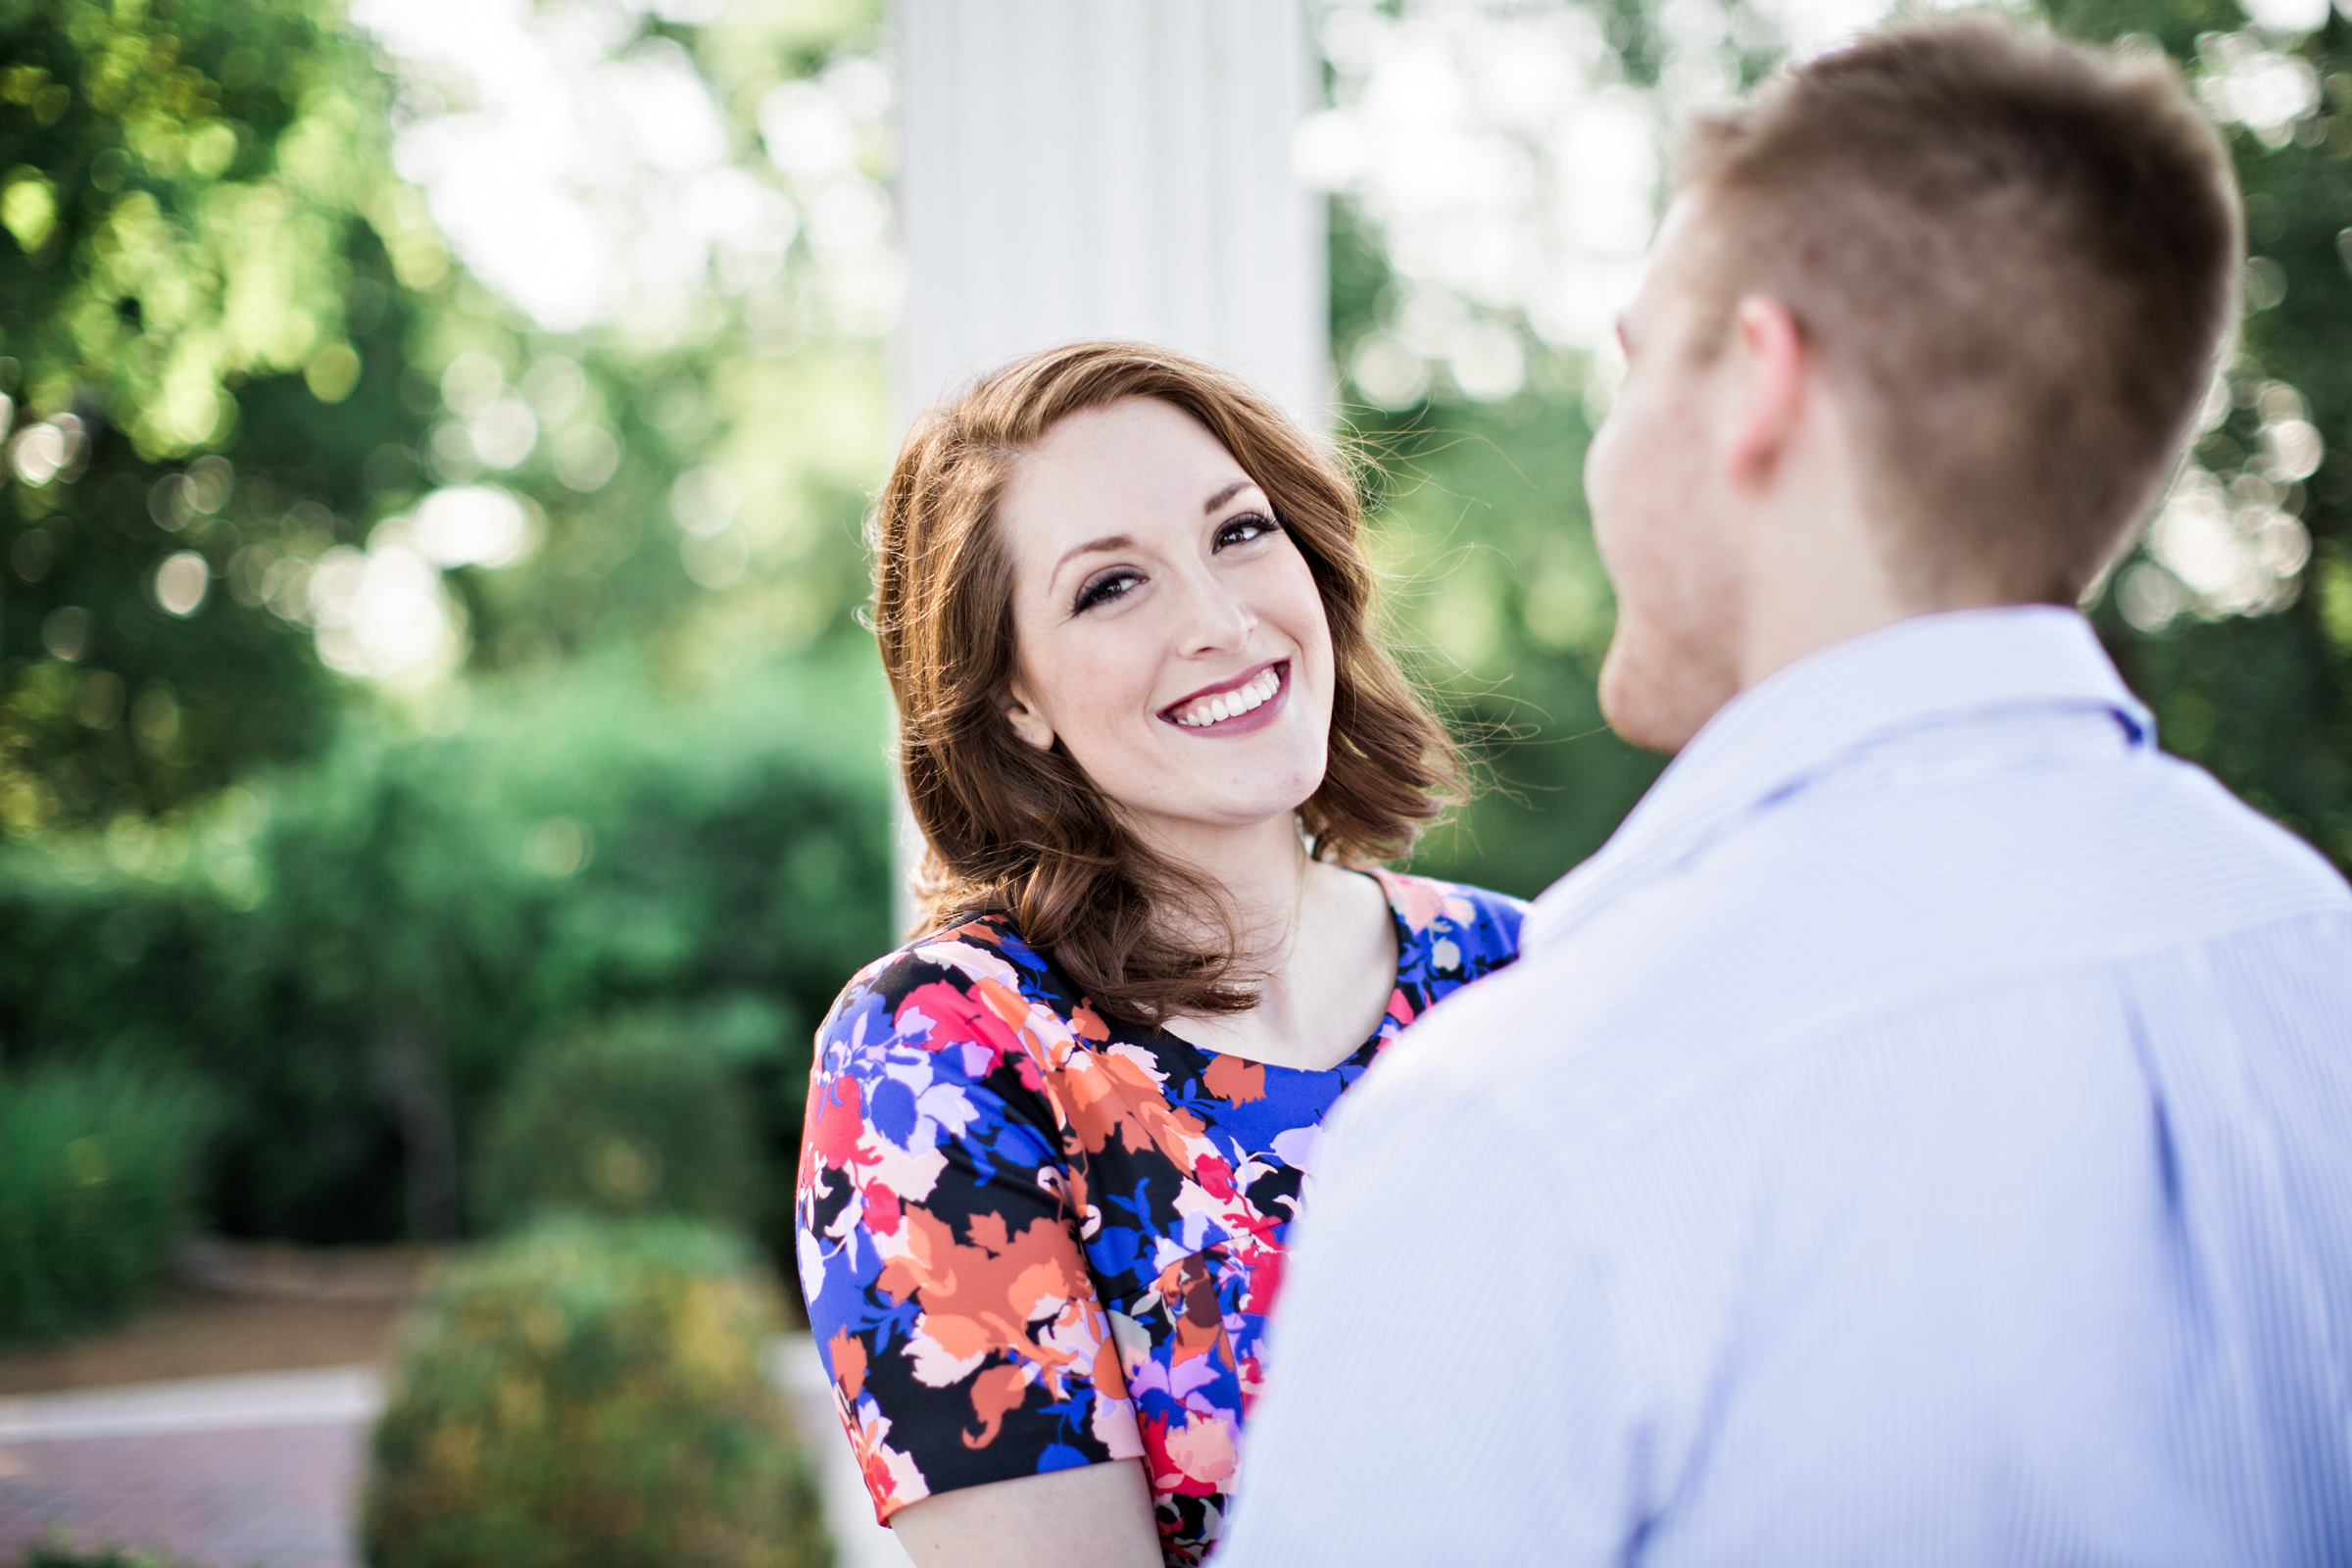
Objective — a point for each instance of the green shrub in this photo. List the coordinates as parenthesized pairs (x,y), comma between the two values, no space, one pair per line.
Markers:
(359,952)
(95,1166)
(592,1392)
(643,1113)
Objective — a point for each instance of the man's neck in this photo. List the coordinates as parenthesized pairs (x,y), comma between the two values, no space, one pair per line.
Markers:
(1825,568)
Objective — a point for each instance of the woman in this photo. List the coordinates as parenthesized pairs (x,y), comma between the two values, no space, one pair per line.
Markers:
(1054,1144)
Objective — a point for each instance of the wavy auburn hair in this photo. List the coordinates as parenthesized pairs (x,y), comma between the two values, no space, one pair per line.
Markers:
(1021,833)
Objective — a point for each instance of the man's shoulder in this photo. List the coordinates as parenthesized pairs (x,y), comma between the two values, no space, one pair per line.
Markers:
(1729,965)
(2231,839)
(1923,879)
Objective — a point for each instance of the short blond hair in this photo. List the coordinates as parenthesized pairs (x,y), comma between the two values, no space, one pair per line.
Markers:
(2022,254)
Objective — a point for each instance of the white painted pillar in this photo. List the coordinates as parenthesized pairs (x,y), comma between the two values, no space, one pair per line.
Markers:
(1109,168)
(1106,168)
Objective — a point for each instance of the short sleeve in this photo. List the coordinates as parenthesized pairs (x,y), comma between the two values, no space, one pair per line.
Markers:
(938,1252)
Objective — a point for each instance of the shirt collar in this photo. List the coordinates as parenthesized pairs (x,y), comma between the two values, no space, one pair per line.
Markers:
(1803,720)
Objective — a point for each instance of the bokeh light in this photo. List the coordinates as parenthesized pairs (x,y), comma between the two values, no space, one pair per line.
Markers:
(181,581)
(384,613)
(473,526)
(2230,543)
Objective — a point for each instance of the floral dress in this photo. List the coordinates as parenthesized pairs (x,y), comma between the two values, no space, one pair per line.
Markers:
(1031,1239)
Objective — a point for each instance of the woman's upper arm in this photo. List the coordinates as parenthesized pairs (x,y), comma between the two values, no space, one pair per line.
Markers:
(947,1286)
(1095,1516)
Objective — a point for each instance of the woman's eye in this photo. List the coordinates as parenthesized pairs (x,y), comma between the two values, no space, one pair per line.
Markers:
(1105,586)
(1241,529)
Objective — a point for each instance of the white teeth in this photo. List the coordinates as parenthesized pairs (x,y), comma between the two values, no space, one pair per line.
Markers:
(1230,705)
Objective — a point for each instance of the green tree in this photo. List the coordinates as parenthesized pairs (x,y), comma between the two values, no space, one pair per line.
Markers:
(1478,513)
(201,307)
(244,372)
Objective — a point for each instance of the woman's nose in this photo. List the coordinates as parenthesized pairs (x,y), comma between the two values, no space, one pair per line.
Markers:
(1215,618)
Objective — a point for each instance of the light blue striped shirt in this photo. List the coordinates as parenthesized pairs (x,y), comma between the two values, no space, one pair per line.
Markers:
(1921,1134)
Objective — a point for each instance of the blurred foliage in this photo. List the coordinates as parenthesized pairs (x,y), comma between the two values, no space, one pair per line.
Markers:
(240,357)
(95,1164)
(242,839)
(1479,522)
(597,1393)
(183,195)
(359,952)
(641,1113)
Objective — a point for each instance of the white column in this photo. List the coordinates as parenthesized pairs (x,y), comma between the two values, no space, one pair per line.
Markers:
(1113,169)
(1106,168)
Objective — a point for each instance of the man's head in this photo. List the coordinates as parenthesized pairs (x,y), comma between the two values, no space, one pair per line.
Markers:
(1963,283)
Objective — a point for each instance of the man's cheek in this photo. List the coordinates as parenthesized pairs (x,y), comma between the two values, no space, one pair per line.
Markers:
(1601,498)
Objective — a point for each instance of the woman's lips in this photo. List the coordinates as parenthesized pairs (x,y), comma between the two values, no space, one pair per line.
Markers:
(1258,717)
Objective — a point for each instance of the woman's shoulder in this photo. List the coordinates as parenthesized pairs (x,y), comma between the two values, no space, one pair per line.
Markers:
(1482,926)
(964,952)
(974,976)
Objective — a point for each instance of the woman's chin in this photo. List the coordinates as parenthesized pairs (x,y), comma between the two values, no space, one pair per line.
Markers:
(1221,813)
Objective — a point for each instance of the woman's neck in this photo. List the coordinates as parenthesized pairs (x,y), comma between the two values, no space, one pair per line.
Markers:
(1261,871)
(1314,939)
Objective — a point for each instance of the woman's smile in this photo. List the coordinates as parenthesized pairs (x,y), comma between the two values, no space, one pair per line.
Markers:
(1250,701)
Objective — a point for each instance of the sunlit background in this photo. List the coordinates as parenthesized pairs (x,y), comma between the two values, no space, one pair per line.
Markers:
(437,438)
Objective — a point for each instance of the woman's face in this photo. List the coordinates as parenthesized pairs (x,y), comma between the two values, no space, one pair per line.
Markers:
(1169,633)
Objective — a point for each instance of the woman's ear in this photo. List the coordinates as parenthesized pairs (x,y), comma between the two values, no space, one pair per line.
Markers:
(1029,724)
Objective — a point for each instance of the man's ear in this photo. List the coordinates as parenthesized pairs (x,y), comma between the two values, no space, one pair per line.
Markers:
(1768,392)
(1029,724)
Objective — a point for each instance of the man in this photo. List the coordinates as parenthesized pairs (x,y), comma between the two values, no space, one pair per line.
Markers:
(1924,1133)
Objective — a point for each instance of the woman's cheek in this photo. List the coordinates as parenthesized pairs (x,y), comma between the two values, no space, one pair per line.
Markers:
(1104,687)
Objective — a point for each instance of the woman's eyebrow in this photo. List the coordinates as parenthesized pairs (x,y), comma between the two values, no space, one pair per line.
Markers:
(1112,541)
(1223,496)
